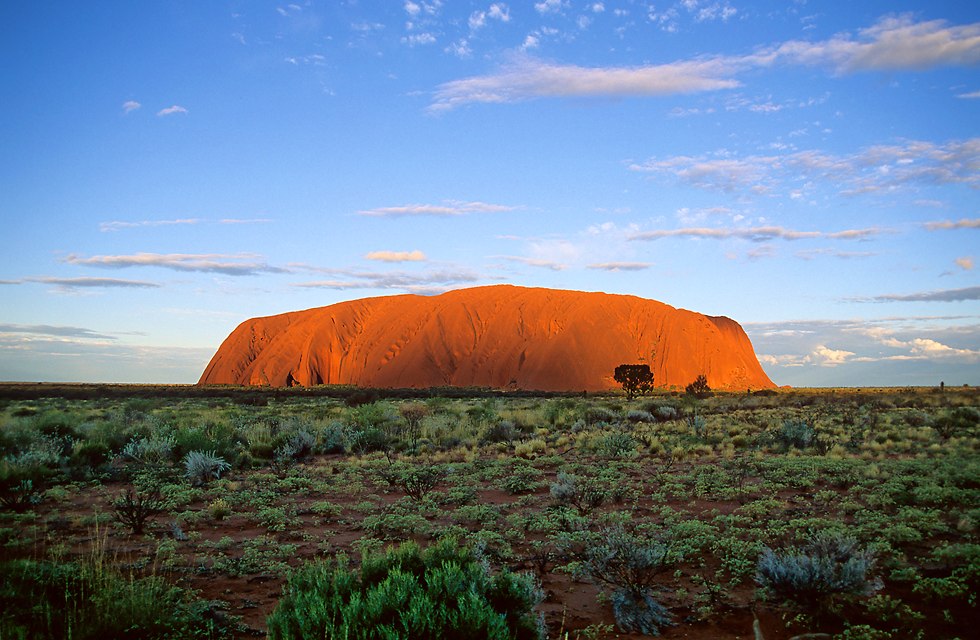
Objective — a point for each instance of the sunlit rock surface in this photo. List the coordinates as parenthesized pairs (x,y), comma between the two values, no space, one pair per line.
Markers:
(497,336)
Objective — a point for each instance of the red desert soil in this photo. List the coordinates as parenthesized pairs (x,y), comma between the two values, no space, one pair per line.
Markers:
(498,336)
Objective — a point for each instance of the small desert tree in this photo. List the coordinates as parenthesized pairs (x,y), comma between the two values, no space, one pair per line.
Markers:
(635,379)
(699,388)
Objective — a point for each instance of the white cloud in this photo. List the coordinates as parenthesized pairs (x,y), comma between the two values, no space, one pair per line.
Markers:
(71,284)
(810,254)
(549,6)
(891,44)
(940,295)
(478,19)
(227,264)
(419,39)
(537,262)
(412,8)
(527,78)
(424,283)
(449,208)
(965,263)
(597,7)
(973,95)
(460,48)
(245,220)
(56,331)
(826,357)
(922,348)
(130,105)
(875,169)
(963,223)
(755,234)
(171,110)
(116,225)
(396,256)
(619,266)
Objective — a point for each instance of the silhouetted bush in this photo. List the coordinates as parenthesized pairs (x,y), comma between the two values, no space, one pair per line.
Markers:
(134,508)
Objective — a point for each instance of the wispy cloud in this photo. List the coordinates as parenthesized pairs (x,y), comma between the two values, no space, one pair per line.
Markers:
(94,283)
(169,111)
(396,256)
(536,262)
(755,234)
(116,225)
(550,6)
(243,264)
(891,44)
(130,105)
(973,95)
(497,11)
(895,43)
(619,266)
(448,208)
(940,295)
(424,282)
(55,331)
(810,254)
(245,220)
(963,223)
(527,78)
(880,168)
(965,263)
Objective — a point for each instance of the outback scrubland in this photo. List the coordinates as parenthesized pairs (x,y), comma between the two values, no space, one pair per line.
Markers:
(175,512)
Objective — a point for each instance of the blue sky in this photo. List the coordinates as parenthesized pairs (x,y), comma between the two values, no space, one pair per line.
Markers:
(810,169)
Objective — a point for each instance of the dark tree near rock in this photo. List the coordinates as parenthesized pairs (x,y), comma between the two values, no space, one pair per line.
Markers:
(635,379)
(699,388)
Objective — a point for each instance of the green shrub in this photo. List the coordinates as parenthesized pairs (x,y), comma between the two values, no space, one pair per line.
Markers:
(333,438)
(630,565)
(958,422)
(581,493)
(597,415)
(442,592)
(795,433)
(618,444)
(22,482)
(830,567)
(698,426)
(500,431)
(202,466)
(87,601)
(523,478)
(155,450)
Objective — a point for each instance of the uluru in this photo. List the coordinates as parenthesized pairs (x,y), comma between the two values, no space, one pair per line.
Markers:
(498,336)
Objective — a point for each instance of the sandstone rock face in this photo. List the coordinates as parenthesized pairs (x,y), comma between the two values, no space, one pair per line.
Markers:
(498,336)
